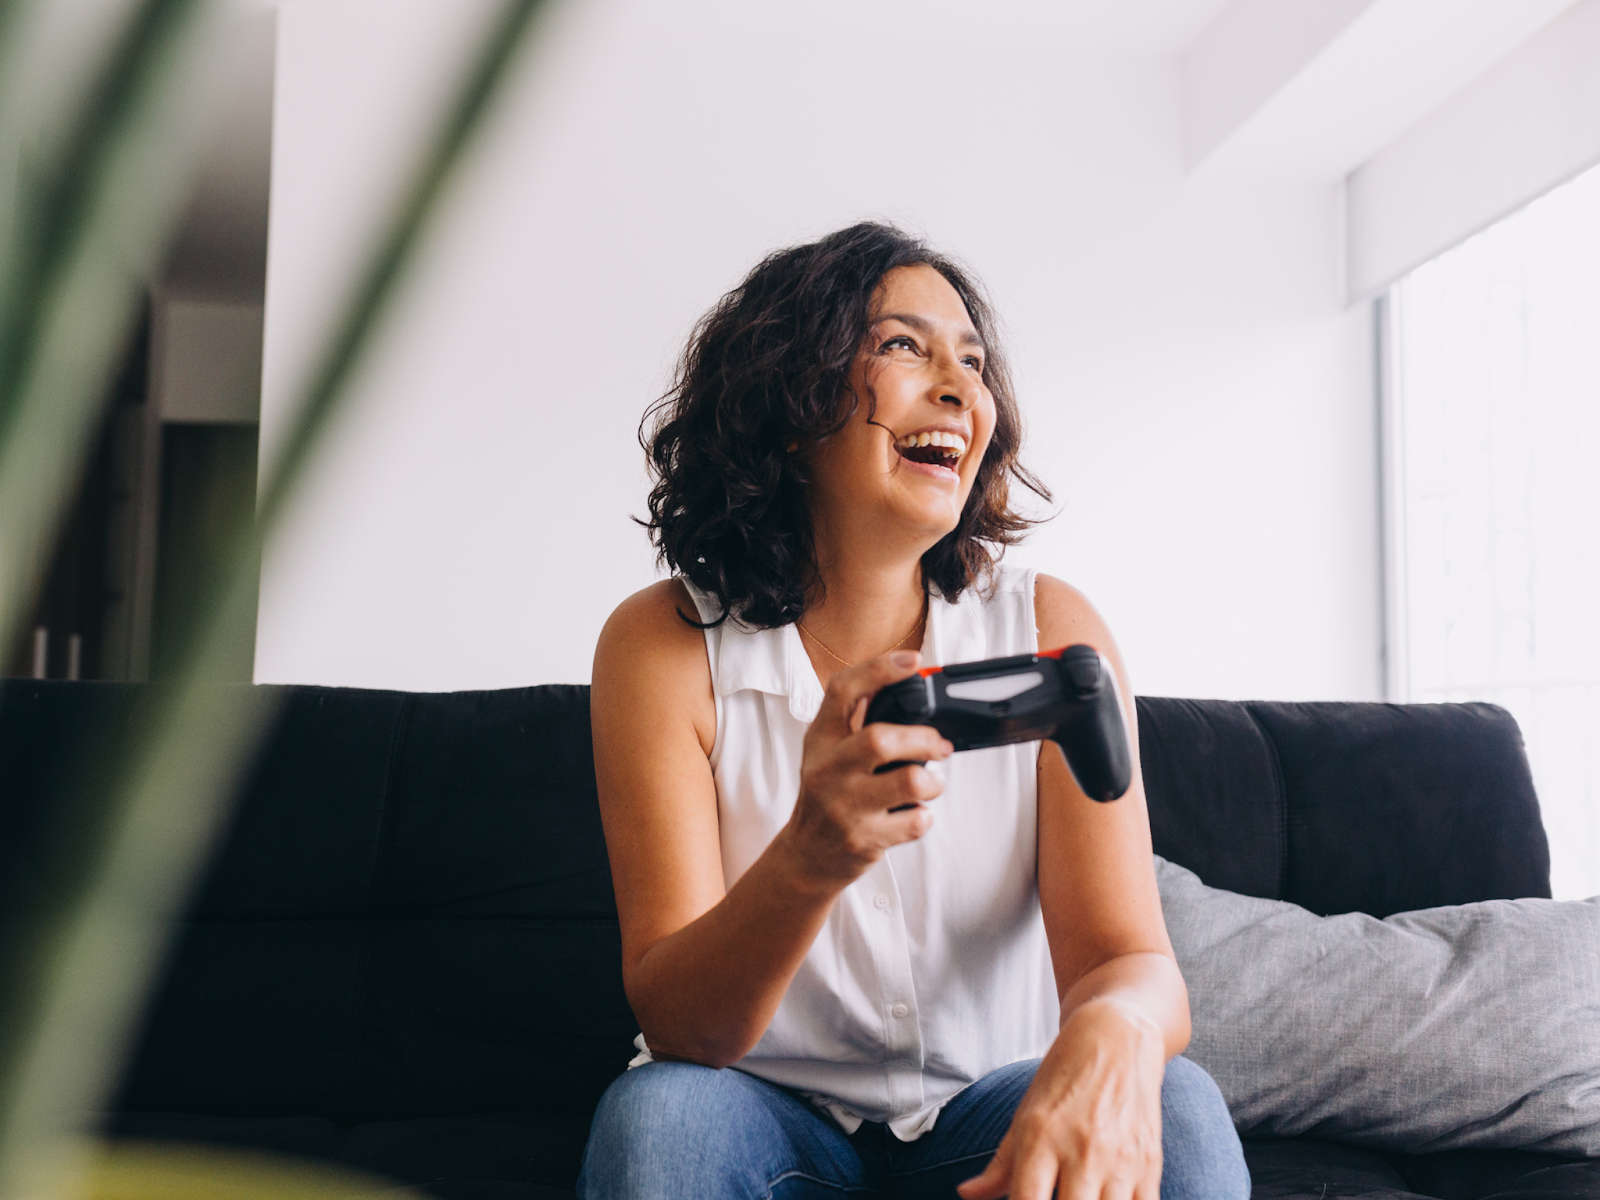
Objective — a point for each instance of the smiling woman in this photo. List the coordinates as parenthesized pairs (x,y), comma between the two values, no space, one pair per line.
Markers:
(984,1001)
(773,371)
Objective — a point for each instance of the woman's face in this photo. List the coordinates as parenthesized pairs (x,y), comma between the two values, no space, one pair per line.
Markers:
(919,375)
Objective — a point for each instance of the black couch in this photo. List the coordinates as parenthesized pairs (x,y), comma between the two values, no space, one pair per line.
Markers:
(404,956)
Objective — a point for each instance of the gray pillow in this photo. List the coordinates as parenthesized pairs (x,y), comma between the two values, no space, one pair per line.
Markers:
(1473,1026)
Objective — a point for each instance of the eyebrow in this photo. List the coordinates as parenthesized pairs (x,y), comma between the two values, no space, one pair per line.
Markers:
(923,326)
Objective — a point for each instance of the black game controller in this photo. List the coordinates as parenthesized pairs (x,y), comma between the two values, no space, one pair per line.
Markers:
(1067,695)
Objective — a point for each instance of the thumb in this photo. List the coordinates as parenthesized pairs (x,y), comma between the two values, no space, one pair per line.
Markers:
(848,688)
(994,1182)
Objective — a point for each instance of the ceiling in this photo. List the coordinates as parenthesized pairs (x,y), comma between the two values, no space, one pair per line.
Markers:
(1158,28)
(1276,88)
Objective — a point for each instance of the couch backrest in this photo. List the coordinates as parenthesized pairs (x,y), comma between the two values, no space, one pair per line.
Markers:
(1375,808)
(411,913)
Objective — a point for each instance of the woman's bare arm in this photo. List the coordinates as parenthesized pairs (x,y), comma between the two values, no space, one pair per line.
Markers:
(704,970)
(1097,884)
(1092,1119)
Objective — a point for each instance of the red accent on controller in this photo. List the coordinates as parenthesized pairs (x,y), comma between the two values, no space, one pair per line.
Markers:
(1056,654)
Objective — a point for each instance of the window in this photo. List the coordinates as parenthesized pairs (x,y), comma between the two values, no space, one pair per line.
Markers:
(1492,480)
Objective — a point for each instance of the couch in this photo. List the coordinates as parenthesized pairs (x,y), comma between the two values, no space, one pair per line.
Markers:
(403,955)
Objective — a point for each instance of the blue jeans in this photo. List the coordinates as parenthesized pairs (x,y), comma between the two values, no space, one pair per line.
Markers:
(672,1130)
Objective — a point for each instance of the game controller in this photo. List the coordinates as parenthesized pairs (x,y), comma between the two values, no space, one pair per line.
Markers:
(1069,696)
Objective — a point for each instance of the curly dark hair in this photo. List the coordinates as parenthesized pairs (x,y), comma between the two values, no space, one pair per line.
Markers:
(766,373)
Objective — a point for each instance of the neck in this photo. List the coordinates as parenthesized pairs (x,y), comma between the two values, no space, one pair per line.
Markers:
(867,603)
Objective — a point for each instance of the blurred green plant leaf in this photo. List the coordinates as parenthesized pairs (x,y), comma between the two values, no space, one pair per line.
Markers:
(173,784)
(88,230)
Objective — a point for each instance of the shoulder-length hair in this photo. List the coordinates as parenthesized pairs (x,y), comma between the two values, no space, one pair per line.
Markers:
(766,376)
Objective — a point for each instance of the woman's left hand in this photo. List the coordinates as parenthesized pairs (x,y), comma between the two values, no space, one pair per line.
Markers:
(1089,1127)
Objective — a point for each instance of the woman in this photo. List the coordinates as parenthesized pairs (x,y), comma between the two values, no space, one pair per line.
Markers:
(946,975)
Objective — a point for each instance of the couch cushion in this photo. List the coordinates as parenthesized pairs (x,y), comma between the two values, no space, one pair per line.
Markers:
(1469,1026)
(258,1018)
(1310,1169)
(305,832)
(51,782)
(1375,808)
(481,1156)
(1396,807)
(1216,797)
(352,1020)
(493,811)
(1498,1174)
(1306,1168)
(1567,1181)
(411,917)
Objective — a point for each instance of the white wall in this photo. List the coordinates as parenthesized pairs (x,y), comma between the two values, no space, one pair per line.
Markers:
(1195,389)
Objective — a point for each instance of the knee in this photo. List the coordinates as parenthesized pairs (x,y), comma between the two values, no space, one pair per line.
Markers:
(661,1122)
(1201,1155)
(659,1102)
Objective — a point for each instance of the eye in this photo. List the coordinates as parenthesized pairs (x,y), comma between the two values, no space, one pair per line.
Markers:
(899,341)
(973,361)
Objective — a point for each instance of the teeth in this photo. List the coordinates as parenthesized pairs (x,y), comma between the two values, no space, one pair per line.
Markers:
(953,442)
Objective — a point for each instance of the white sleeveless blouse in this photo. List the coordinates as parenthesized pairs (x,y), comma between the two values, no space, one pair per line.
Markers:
(932,969)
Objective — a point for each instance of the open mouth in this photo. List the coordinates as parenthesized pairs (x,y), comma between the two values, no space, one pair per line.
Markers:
(937,449)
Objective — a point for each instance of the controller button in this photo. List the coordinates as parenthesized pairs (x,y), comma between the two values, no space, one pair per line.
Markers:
(1084,673)
(995,689)
(881,900)
(992,666)
(901,1010)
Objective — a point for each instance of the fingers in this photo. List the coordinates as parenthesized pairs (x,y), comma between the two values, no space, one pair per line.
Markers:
(845,766)
(897,803)
(991,1185)
(858,714)
(895,796)
(848,688)
(995,1180)
(1034,1177)
(1150,1186)
(1056,1149)
(847,815)
(884,743)
(1040,1176)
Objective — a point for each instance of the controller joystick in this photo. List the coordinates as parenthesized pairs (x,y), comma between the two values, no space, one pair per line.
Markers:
(1069,696)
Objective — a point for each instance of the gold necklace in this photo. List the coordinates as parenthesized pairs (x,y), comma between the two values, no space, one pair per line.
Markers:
(921,617)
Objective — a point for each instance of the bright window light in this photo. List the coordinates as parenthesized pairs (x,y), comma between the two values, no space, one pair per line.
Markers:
(1492,428)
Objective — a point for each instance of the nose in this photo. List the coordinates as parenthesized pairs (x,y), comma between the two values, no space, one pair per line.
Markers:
(959,387)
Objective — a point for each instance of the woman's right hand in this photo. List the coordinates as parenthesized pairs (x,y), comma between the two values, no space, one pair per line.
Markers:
(845,816)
